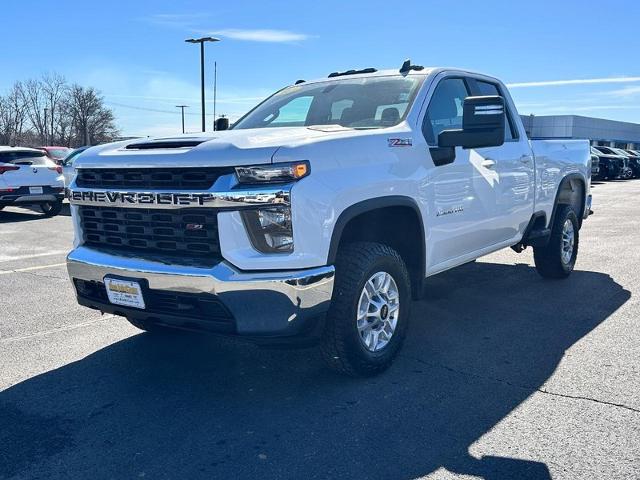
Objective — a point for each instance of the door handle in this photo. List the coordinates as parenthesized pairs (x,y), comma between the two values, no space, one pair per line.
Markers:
(488,163)
(525,159)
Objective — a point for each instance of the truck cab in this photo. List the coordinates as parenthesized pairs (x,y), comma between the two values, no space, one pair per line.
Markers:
(319,214)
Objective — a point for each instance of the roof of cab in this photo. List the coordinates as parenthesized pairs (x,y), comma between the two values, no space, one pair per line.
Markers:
(378,73)
(395,73)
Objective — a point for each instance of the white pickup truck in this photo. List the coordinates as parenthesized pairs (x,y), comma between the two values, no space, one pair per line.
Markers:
(319,214)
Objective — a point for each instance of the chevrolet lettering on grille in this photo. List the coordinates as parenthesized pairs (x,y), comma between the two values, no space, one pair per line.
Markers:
(139,198)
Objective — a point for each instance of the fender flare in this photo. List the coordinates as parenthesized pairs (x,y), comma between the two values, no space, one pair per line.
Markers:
(369,205)
(563,182)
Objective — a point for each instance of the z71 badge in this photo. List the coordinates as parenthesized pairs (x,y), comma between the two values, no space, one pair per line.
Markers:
(400,142)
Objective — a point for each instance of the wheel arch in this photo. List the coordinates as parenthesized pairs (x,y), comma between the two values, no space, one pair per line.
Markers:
(352,215)
(567,194)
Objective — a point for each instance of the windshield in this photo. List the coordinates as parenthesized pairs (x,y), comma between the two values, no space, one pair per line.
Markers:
(69,159)
(22,157)
(373,102)
(605,150)
(59,153)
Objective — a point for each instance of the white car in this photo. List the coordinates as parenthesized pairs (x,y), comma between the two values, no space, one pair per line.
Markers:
(320,213)
(28,177)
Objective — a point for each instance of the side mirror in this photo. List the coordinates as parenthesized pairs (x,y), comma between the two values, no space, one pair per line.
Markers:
(222,123)
(483,120)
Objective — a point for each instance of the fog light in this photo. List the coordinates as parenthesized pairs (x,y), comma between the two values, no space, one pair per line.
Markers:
(270,230)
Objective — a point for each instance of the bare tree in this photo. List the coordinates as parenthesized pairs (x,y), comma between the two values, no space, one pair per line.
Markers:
(54,89)
(13,116)
(35,102)
(92,121)
(48,110)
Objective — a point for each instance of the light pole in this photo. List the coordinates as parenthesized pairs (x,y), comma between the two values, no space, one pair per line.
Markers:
(202,41)
(182,107)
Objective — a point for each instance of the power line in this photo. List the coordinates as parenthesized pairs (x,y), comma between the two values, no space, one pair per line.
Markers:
(147,109)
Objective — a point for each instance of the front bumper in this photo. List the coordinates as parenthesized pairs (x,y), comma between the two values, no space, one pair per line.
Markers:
(260,304)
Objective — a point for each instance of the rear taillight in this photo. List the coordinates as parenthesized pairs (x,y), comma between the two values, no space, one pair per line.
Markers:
(8,168)
(57,168)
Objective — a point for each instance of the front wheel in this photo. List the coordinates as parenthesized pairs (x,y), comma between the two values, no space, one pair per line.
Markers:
(558,258)
(367,322)
(51,209)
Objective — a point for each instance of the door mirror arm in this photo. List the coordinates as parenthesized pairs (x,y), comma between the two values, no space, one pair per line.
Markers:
(442,155)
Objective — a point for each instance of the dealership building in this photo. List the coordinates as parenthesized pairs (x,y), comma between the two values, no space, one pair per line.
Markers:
(600,131)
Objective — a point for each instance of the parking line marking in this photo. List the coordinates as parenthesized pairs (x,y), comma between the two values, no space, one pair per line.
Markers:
(35,255)
(58,330)
(28,269)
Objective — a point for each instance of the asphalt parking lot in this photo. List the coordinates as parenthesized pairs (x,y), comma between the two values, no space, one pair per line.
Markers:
(504,375)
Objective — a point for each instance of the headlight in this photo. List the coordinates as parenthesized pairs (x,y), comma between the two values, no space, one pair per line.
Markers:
(276,173)
(270,229)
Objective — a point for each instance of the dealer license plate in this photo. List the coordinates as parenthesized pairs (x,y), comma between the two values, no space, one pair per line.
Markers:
(124,292)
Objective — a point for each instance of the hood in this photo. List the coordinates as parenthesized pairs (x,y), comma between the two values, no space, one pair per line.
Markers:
(225,148)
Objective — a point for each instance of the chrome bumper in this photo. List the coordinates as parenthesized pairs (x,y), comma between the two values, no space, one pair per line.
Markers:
(262,303)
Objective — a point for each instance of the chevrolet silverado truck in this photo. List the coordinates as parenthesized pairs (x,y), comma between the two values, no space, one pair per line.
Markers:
(317,216)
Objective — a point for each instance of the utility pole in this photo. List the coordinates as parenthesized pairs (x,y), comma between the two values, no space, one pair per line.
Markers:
(182,107)
(215,89)
(202,41)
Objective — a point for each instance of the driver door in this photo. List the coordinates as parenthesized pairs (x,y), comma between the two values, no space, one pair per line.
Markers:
(461,195)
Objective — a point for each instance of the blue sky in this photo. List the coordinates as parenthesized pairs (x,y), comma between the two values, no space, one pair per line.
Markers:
(134,51)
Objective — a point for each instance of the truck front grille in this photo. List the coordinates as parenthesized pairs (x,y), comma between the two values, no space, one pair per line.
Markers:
(183,179)
(186,232)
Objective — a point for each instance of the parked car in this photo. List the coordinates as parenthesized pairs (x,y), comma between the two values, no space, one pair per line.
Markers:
(368,182)
(627,170)
(28,177)
(57,154)
(612,165)
(634,162)
(67,164)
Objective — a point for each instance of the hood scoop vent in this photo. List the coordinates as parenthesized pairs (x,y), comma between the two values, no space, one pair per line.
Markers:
(167,143)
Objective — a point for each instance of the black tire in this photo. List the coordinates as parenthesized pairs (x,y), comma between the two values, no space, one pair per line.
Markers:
(51,209)
(341,344)
(549,259)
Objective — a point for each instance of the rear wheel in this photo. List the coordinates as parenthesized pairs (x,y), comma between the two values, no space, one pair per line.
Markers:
(370,309)
(558,258)
(51,209)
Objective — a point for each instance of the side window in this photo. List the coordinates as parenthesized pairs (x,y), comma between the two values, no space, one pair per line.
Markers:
(486,88)
(445,108)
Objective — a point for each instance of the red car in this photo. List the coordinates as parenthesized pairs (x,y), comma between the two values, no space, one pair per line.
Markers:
(57,154)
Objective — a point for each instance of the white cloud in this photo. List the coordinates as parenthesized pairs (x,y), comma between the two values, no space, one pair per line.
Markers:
(261,35)
(581,81)
(625,92)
